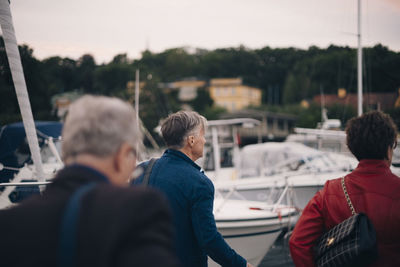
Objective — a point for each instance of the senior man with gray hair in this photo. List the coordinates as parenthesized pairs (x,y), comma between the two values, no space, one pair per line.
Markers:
(189,191)
(86,217)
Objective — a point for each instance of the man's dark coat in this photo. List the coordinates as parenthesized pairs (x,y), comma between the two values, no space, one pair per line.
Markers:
(117,226)
(191,196)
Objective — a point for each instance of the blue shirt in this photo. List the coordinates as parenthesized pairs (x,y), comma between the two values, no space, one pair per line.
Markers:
(191,197)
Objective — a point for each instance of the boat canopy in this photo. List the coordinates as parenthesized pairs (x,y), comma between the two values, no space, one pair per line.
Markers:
(14,149)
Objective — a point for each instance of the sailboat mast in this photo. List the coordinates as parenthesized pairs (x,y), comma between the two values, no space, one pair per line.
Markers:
(17,73)
(359,63)
(137,103)
(137,97)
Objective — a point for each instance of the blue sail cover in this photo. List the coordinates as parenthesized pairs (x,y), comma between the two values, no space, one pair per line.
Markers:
(14,148)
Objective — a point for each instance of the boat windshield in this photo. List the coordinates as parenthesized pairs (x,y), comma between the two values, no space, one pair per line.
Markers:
(226,158)
(271,162)
(47,154)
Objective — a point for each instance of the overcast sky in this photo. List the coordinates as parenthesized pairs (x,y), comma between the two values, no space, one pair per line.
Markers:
(106,28)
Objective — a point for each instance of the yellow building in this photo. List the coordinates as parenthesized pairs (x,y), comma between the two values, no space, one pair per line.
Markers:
(231,94)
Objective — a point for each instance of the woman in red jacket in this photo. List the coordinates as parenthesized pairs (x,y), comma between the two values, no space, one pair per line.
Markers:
(372,187)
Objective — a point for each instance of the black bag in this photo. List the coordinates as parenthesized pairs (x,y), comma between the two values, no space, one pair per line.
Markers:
(350,243)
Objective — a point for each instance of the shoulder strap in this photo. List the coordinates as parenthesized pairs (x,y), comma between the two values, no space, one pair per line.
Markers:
(353,212)
(147,173)
(68,234)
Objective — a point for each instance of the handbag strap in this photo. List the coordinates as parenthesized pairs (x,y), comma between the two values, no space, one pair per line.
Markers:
(68,233)
(353,211)
(147,173)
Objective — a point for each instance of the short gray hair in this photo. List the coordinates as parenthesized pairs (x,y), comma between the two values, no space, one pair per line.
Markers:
(99,125)
(178,126)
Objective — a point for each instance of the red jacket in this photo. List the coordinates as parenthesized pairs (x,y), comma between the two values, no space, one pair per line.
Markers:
(373,190)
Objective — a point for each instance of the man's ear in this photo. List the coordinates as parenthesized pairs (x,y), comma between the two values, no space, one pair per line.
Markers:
(191,140)
(121,155)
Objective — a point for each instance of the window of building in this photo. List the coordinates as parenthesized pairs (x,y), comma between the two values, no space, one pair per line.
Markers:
(270,122)
(281,124)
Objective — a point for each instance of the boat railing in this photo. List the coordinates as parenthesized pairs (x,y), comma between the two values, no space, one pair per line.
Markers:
(232,191)
(50,142)
(25,177)
(283,194)
(25,184)
(287,192)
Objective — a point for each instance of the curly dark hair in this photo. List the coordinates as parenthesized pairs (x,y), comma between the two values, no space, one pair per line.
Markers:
(370,135)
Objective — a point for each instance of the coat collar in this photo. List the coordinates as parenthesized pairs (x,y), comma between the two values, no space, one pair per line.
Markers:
(94,173)
(177,154)
(74,175)
(372,166)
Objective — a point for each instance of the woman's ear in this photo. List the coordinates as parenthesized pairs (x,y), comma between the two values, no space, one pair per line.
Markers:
(389,154)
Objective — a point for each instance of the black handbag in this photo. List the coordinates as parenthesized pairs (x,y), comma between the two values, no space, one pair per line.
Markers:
(350,243)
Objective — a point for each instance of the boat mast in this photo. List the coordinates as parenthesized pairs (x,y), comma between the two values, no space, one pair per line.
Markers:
(359,62)
(137,104)
(137,97)
(14,60)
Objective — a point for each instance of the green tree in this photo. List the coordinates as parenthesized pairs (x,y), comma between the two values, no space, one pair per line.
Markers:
(111,79)
(203,101)
(86,67)
(9,111)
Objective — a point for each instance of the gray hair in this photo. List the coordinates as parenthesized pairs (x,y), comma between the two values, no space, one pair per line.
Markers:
(178,126)
(99,125)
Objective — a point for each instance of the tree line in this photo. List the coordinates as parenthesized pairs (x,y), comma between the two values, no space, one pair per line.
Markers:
(286,76)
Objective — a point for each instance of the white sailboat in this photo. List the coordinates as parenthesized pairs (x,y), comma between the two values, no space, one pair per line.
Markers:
(36,171)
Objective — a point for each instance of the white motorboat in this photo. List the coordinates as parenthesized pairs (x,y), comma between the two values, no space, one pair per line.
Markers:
(267,171)
(327,137)
(321,139)
(295,189)
(250,227)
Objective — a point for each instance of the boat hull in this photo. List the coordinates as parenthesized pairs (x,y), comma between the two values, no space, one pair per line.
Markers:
(252,247)
(252,238)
